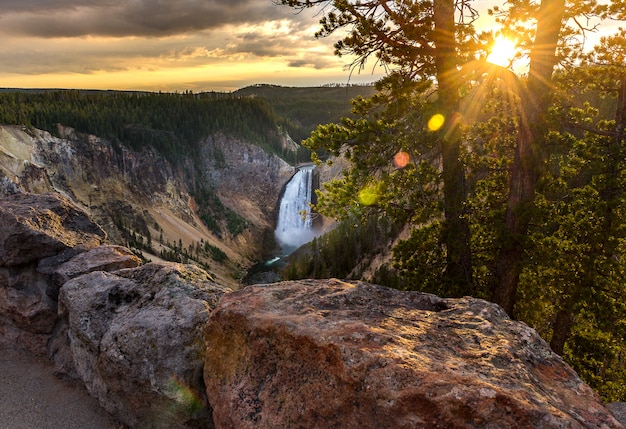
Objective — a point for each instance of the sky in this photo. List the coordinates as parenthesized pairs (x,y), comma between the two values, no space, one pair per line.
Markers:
(165,45)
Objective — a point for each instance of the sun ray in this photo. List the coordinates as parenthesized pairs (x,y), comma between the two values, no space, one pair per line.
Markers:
(503,51)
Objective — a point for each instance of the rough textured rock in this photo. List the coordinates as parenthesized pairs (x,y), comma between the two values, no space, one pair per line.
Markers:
(102,258)
(619,411)
(248,179)
(38,233)
(39,226)
(27,314)
(136,341)
(328,354)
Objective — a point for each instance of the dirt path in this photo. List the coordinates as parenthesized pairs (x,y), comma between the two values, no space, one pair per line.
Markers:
(31,397)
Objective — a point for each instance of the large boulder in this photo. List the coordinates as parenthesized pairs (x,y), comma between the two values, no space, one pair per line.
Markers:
(37,234)
(102,258)
(135,337)
(330,354)
(39,226)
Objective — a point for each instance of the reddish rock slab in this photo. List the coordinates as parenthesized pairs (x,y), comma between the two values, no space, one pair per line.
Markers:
(330,354)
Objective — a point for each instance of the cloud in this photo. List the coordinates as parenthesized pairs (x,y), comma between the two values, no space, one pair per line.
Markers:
(93,40)
(124,18)
(282,43)
(316,62)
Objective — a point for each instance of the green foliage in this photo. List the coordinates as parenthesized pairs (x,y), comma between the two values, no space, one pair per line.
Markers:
(573,266)
(215,215)
(333,254)
(172,123)
(303,109)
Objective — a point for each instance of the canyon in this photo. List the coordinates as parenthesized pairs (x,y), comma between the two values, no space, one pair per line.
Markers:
(87,226)
(141,198)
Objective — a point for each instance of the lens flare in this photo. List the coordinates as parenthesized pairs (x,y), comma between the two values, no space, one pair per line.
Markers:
(436,122)
(502,52)
(185,399)
(368,195)
(401,159)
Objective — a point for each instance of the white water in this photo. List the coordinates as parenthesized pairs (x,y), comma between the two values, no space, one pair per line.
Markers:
(292,228)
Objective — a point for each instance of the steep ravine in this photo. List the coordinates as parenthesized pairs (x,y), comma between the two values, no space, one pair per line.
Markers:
(143,201)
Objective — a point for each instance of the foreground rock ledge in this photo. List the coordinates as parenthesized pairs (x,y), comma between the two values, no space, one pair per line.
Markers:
(135,340)
(329,354)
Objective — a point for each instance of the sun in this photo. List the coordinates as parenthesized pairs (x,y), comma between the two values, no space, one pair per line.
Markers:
(502,52)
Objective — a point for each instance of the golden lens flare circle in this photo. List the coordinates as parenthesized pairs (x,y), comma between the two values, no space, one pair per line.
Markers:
(401,159)
(368,195)
(436,122)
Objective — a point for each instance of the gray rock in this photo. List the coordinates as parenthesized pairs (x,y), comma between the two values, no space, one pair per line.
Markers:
(38,233)
(136,341)
(330,354)
(619,411)
(102,258)
(27,314)
(39,226)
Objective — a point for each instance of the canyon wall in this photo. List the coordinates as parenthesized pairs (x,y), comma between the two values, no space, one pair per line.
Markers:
(142,200)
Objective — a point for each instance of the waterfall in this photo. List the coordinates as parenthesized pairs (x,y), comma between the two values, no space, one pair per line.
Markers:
(292,229)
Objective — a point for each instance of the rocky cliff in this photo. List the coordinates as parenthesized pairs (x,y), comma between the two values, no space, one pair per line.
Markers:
(162,345)
(143,201)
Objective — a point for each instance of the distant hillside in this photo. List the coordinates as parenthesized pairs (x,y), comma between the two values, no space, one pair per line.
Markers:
(182,177)
(173,123)
(307,107)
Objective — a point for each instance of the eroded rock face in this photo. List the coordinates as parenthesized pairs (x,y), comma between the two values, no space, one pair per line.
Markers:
(135,338)
(328,354)
(39,226)
(37,234)
(103,258)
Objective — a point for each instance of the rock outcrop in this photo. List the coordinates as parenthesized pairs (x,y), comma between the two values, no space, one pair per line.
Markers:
(102,258)
(162,345)
(135,338)
(39,226)
(248,179)
(619,411)
(329,354)
(38,234)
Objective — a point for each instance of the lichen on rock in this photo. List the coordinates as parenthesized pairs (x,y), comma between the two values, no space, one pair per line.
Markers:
(331,354)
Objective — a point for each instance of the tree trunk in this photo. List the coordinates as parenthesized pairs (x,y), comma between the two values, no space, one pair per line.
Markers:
(527,162)
(456,233)
(561,330)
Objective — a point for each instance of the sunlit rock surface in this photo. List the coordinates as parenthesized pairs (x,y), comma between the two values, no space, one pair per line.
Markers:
(328,354)
(135,338)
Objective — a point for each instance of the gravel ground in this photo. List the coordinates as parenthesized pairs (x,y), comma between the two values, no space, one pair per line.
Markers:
(32,397)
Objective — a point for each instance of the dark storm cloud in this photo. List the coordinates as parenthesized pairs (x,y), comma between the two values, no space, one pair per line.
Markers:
(121,18)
